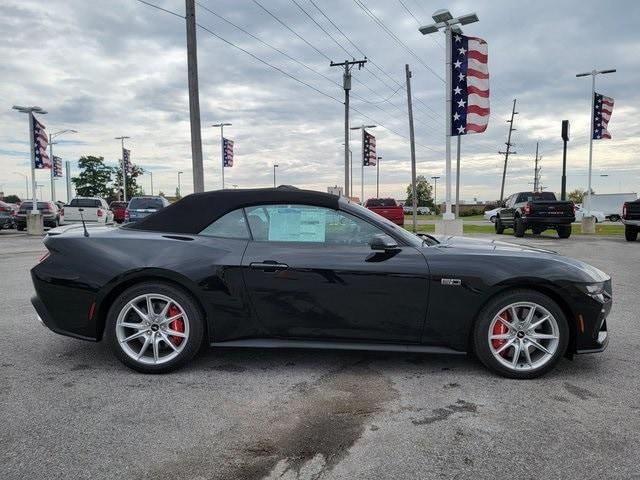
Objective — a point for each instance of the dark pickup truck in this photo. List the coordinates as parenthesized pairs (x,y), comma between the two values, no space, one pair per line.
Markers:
(536,211)
(631,220)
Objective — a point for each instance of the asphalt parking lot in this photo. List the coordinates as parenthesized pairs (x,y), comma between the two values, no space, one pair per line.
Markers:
(71,410)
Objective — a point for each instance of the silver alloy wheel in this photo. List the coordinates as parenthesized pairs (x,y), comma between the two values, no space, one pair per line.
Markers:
(145,322)
(523,336)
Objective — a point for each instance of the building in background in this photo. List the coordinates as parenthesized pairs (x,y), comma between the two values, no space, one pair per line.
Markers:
(335,190)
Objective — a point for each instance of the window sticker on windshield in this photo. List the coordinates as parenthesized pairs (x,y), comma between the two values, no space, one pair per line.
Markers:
(297,225)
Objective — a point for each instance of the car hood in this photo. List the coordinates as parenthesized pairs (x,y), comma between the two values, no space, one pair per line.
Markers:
(467,245)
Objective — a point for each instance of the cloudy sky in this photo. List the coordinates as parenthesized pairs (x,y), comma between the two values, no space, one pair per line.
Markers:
(119,68)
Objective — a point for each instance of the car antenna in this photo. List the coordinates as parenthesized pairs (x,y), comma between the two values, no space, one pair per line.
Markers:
(86,232)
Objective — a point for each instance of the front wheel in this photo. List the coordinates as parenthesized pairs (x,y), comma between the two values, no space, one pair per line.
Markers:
(564,231)
(521,334)
(499,227)
(154,327)
(614,218)
(630,233)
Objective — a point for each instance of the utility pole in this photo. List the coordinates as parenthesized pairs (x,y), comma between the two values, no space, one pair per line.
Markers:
(124,170)
(346,84)
(194,97)
(508,151)
(535,171)
(67,169)
(565,139)
(151,175)
(412,143)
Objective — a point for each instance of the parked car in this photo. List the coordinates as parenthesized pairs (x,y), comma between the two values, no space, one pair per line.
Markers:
(289,268)
(579,211)
(49,211)
(387,208)
(538,211)
(408,210)
(492,214)
(141,207)
(118,208)
(7,215)
(609,203)
(90,209)
(631,220)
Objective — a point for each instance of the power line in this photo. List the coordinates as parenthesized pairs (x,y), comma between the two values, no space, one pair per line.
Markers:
(321,28)
(162,9)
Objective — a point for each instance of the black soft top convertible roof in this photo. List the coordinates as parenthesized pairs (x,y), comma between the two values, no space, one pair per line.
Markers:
(194,212)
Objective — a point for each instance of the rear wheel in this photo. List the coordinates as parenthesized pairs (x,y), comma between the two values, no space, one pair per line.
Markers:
(499,227)
(631,233)
(521,334)
(564,231)
(154,327)
(614,218)
(519,227)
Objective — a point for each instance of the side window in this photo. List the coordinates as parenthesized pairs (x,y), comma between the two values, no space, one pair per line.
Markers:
(231,225)
(303,223)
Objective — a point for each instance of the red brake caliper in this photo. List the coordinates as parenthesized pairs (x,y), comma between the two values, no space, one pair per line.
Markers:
(177,324)
(500,329)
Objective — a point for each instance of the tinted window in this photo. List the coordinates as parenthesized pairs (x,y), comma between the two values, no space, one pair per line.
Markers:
(146,204)
(532,196)
(24,206)
(381,202)
(85,203)
(304,223)
(231,225)
(118,205)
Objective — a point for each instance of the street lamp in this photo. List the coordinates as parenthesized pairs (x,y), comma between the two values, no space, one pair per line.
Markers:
(447,22)
(179,186)
(124,169)
(26,183)
(593,74)
(362,129)
(51,143)
(222,125)
(30,111)
(435,192)
(275,165)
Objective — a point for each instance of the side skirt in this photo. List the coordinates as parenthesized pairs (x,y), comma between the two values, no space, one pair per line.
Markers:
(324,345)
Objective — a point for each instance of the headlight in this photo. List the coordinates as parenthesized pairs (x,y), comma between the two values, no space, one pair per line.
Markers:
(595,288)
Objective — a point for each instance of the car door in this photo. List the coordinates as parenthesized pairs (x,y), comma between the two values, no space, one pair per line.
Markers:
(506,214)
(310,273)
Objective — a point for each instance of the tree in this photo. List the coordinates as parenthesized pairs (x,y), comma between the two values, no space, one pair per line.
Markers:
(423,193)
(11,199)
(133,189)
(577,195)
(94,179)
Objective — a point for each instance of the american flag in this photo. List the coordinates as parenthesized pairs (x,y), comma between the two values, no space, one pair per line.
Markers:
(470,85)
(227,151)
(128,166)
(602,110)
(57,166)
(40,143)
(369,150)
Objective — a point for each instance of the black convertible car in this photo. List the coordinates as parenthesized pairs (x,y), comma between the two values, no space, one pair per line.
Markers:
(293,268)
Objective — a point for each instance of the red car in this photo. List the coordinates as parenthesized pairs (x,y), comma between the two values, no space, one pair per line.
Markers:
(387,208)
(118,209)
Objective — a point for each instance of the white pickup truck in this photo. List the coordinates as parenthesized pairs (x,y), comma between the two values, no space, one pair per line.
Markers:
(94,210)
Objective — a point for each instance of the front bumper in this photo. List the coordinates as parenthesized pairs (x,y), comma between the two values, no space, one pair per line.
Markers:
(592,335)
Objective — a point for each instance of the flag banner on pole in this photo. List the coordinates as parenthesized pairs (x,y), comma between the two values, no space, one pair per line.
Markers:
(227,148)
(40,143)
(470,85)
(128,166)
(57,166)
(369,157)
(602,110)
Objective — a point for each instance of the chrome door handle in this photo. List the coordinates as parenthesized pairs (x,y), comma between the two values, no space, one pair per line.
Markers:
(268,266)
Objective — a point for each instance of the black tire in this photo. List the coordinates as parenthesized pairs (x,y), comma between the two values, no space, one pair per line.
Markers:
(493,219)
(614,218)
(481,332)
(20,228)
(564,231)
(498,226)
(630,233)
(518,228)
(185,300)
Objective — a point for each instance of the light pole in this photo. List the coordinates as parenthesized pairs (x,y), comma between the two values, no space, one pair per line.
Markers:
(151,177)
(124,170)
(30,111)
(51,143)
(593,74)
(179,185)
(447,22)
(435,192)
(351,171)
(26,183)
(222,125)
(362,129)
(275,165)
(378,177)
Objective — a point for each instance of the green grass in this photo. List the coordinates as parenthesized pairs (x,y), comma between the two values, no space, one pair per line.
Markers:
(575,230)
(409,218)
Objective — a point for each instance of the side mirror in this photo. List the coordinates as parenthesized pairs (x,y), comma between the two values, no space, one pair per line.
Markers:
(383,243)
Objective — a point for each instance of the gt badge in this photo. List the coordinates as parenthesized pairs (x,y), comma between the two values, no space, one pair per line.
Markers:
(453,282)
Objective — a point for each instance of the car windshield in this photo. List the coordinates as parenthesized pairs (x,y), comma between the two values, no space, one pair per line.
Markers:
(381,202)
(85,203)
(406,236)
(145,204)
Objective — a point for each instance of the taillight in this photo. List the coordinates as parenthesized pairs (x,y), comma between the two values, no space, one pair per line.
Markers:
(624,211)
(126,214)
(527,208)
(44,257)
(99,212)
